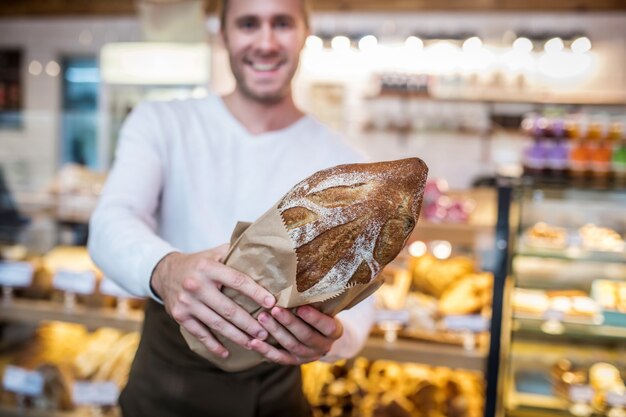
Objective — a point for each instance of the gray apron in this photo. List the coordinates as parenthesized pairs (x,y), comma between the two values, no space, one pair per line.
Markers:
(167,379)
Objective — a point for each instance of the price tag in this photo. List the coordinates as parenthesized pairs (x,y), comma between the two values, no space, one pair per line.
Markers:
(581,393)
(553,315)
(616,399)
(95,393)
(401,316)
(75,282)
(110,287)
(16,274)
(473,323)
(22,381)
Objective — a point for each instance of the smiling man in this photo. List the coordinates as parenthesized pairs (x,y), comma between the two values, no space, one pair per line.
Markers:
(185,172)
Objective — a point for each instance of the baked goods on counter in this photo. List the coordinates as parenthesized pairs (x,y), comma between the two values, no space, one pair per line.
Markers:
(429,299)
(604,239)
(65,352)
(469,295)
(386,388)
(543,235)
(572,303)
(604,379)
(433,276)
(611,296)
(589,237)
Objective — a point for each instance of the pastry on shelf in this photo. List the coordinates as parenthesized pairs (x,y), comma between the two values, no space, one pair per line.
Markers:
(602,239)
(95,352)
(433,276)
(605,378)
(545,236)
(392,294)
(572,303)
(535,302)
(117,364)
(469,295)
(610,295)
(387,388)
(57,391)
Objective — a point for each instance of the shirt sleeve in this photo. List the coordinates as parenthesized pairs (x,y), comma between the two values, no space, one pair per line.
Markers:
(357,323)
(122,230)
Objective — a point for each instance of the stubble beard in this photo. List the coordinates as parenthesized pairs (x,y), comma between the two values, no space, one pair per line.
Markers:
(271,97)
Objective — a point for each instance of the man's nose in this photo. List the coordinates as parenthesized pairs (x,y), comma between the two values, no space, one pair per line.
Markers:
(267,38)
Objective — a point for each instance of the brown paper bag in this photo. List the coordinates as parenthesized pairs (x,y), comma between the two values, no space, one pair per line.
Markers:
(264,251)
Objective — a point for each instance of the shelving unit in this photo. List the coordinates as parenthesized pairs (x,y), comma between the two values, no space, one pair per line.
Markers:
(433,354)
(36,311)
(16,412)
(549,337)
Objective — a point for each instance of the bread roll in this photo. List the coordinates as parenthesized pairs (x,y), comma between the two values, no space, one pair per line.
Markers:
(347,222)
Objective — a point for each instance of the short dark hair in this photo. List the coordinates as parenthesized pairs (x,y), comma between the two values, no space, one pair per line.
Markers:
(223,5)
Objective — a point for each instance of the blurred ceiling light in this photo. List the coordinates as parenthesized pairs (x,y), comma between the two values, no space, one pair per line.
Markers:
(581,45)
(368,42)
(518,62)
(340,43)
(522,45)
(155,63)
(413,42)
(85,37)
(553,45)
(565,65)
(314,43)
(472,44)
(53,69)
(442,57)
(442,249)
(35,67)
(418,248)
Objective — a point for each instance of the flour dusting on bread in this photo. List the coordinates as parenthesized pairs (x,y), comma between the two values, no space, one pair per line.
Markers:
(347,222)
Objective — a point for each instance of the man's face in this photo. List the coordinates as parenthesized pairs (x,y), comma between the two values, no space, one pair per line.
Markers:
(264,40)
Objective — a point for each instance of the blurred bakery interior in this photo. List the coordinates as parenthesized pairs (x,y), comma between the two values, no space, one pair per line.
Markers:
(510,297)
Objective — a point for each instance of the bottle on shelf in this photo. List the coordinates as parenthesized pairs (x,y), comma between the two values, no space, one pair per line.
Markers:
(618,164)
(600,156)
(579,161)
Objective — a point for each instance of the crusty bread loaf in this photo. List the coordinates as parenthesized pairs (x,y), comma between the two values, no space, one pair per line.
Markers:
(348,222)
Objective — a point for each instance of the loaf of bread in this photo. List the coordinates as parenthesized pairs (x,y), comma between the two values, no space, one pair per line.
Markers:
(324,243)
(346,223)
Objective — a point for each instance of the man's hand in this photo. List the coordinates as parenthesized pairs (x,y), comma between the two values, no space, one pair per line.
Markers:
(305,336)
(190,288)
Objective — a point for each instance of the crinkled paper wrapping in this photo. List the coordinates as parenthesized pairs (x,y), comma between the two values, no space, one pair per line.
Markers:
(264,251)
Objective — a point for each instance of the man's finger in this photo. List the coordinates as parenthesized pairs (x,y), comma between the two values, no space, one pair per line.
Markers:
(242,283)
(325,324)
(283,336)
(304,332)
(200,332)
(219,253)
(216,323)
(230,311)
(274,355)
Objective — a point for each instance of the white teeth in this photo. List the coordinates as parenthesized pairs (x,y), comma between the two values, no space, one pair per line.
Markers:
(264,67)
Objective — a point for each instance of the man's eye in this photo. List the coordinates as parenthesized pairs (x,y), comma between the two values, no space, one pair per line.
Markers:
(247,24)
(282,24)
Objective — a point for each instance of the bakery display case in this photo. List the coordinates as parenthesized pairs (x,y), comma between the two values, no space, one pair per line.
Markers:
(431,362)
(69,334)
(564,326)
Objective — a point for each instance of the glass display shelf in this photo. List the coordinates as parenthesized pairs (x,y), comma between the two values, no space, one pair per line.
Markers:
(589,329)
(571,254)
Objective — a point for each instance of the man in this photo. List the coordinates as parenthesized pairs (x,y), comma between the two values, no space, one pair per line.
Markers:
(185,173)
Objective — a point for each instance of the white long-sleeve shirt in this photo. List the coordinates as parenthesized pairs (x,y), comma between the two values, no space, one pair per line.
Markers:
(186,172)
